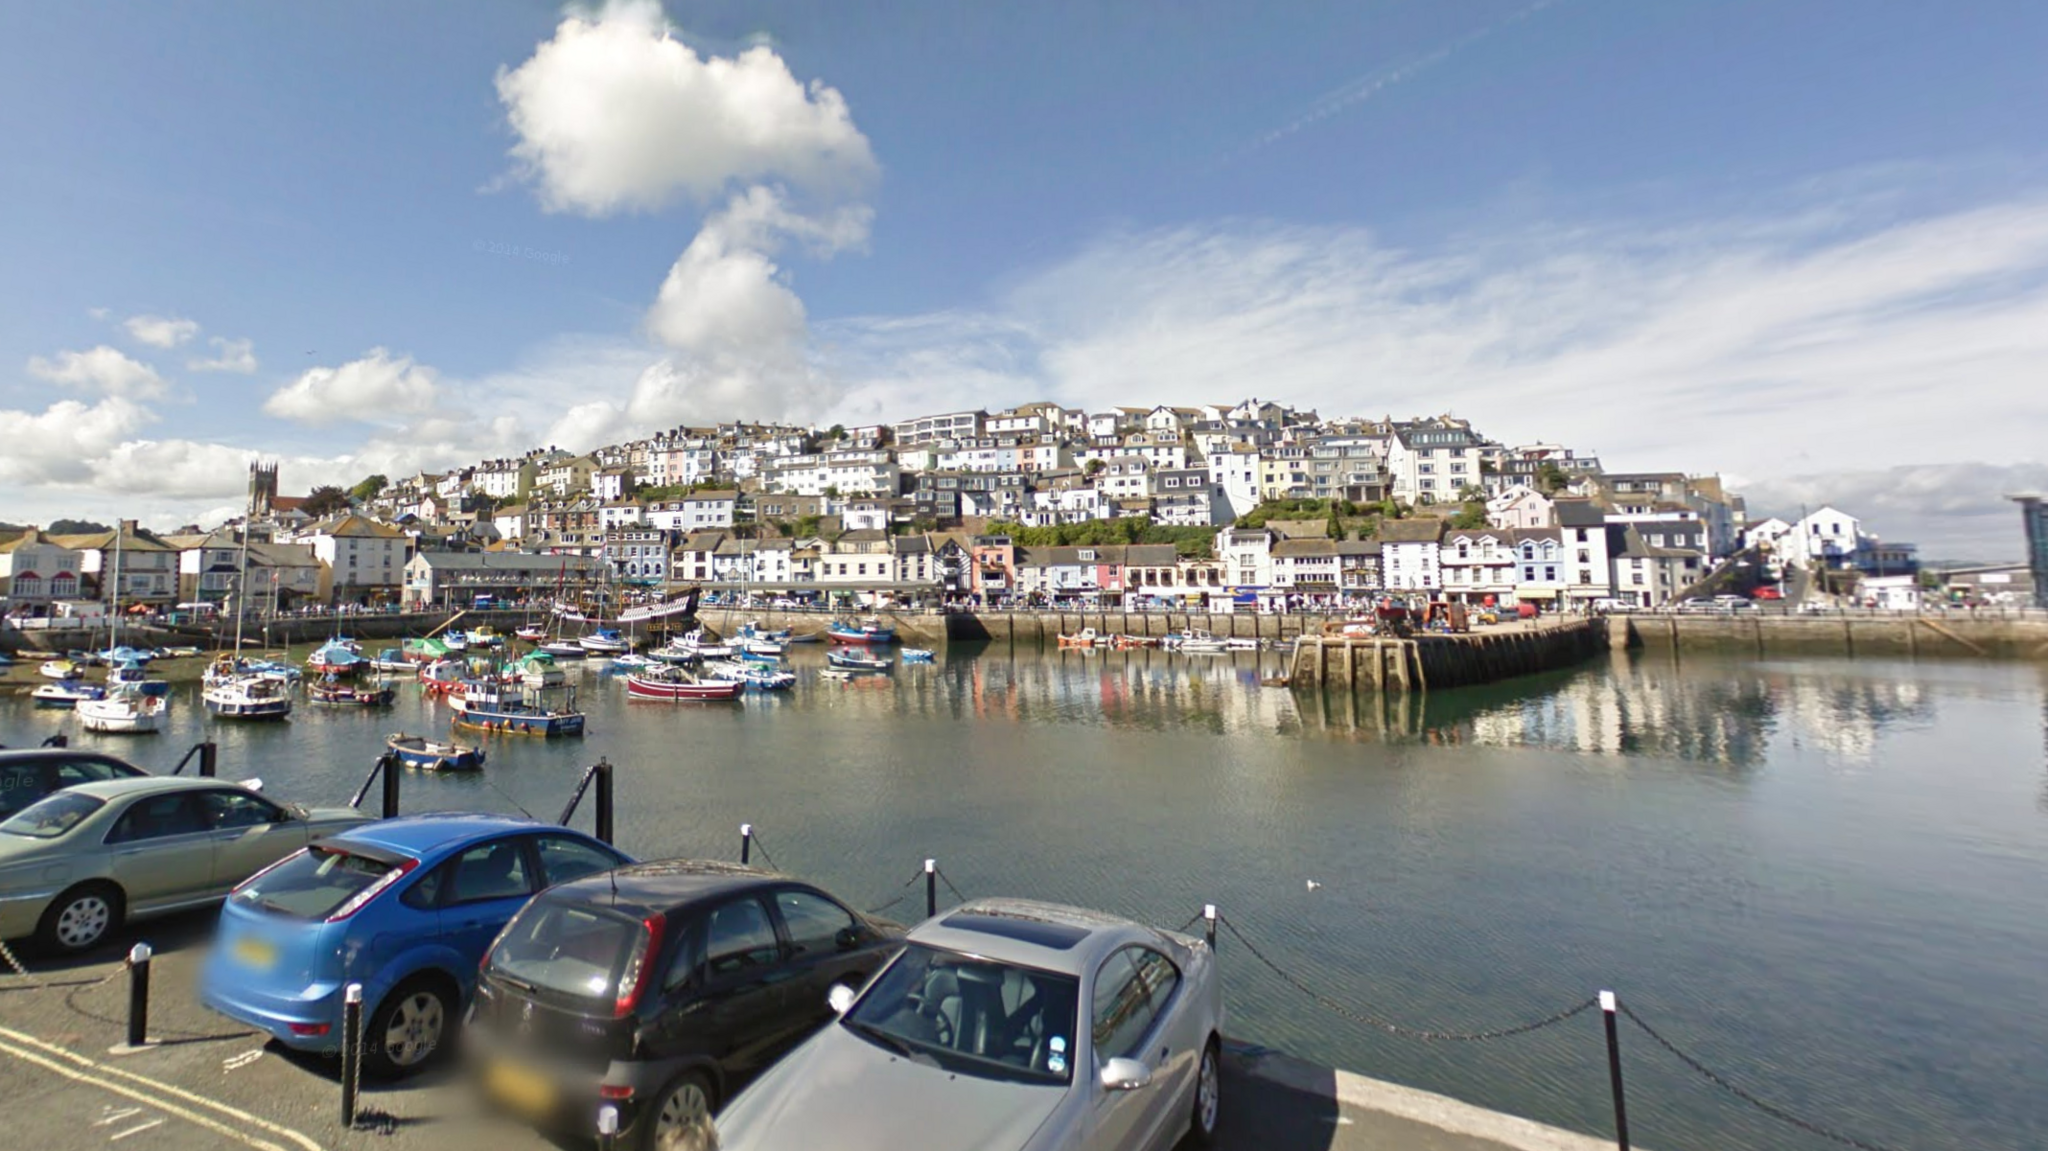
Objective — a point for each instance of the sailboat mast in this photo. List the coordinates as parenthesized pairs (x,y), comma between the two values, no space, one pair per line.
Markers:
(114,598)
(242,591)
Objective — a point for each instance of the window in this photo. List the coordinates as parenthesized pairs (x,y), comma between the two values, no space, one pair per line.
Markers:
(1123,1010)
(739,937)
(231,809)
(563,859)
(815,923)
(159,817)
(496,870)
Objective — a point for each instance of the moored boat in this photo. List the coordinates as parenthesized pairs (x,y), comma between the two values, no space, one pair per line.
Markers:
(332,691)
(1084,638)
(129,673)
(247,696)
(59,669)
(563,649)
(868,631)
(392,659)
(756,677)
(434,755)
(916,655)
(856,661)
(336,657)
(485,705)
(1199,642)
(126,712)
(66,693)
(605,641)
(679,684)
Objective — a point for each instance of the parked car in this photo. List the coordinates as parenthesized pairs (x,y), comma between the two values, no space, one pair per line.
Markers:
(29,774)
(76,865)
(657,989)
(974,1037)
(1733,603)
(1768,593)
(406,907)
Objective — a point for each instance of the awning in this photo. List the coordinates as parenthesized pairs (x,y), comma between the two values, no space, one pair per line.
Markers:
(1535,593)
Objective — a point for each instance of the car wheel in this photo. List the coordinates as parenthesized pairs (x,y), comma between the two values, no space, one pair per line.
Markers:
(1208,1094)
(685,1104)
(409,1029)
(81,918)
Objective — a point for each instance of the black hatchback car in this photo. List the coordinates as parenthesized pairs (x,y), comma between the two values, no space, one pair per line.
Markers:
(29,774)
(659,989)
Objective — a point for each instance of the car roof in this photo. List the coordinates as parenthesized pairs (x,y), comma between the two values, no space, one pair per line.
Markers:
(32,754)
(112,789)
(1048,936)
(421,835)
(667,885)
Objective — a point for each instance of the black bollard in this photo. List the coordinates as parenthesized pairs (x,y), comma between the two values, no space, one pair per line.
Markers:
(604,800)
(1209,924)
(931,887)
(209,759)
(391,776)
(746,844)
(138,994)
(351,1051)
(1608,1007)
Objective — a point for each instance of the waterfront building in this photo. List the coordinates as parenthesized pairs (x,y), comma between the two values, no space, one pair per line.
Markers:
(1519,506)
(637,555)
(1647,574)
(1411,554)
(366,558)
(36,572)
(2034,516)
(149,566)
(946,426)
(1588,546)
(1478,564)
(1247,555)
(449,580)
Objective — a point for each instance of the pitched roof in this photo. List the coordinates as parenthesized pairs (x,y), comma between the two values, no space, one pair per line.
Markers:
(1413,531)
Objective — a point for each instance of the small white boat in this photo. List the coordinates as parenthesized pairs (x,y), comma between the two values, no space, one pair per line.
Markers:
(1198,642)
(66,693)
(128,711)
(248,696)
(605,641)
(58,669)
(916,654)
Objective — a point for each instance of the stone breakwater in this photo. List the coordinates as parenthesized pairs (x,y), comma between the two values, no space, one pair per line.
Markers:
(1421,663)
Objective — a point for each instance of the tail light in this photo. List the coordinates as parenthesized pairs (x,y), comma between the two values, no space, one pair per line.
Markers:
(355,902)
(639,969)
(310,1029)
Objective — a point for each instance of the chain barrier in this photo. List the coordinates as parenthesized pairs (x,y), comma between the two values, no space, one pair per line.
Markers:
(1777,1113)
(900,896)
(1192,920)
(949,885)
(1389,1026)
(763,849)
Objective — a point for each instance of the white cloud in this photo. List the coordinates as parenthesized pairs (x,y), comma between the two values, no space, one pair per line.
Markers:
(61,444)
(1952,510)
(374,388)
(102,369)
(161,331)
(228,356)
(615,113)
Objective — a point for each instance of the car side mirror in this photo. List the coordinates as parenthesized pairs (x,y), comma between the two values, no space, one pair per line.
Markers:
(847,939)
(840,998)
(1125,1075)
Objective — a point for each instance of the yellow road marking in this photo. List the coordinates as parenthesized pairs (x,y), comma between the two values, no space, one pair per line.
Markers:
(153,1085)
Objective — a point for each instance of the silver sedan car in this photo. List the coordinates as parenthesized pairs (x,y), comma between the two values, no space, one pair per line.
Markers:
(1005,1025)
(77,864)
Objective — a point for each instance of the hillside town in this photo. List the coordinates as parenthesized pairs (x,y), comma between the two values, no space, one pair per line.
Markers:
(1247,506)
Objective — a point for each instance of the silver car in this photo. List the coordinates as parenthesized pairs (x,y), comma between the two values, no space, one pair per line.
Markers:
(1005,1025)
(75,865)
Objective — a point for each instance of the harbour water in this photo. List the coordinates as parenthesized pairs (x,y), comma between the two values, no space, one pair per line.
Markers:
(1826,879)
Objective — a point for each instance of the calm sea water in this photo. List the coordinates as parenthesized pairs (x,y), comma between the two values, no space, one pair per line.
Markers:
(1826,879)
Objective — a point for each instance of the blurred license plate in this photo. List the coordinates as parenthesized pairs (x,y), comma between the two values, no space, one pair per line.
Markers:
(255,952)
(520,1087)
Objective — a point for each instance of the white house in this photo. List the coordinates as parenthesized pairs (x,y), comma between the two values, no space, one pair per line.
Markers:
(1824,538)
(1478,562)
(1431,461)
(35,571)
(1411,554)
(367,558)
(1247,555)
(1519,506)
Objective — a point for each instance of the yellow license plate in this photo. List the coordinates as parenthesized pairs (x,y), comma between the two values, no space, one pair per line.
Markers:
(255,952)
(520,1088)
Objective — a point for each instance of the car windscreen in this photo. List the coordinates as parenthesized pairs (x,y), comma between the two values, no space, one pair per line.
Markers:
(568,948)
(51,817)
(315,883)
(974,1016)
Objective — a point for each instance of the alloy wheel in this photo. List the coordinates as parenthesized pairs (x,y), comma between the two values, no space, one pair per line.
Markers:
(685,1105)
(415,1029)
(83,921)
(1208,1093)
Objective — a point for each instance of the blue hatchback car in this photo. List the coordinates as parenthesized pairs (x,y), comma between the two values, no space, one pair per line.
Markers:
(407,907)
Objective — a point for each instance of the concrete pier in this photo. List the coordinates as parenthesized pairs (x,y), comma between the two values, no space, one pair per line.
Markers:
(1885,635)
(1382,663)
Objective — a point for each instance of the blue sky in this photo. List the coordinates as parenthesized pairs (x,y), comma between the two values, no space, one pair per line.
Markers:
(1802,243)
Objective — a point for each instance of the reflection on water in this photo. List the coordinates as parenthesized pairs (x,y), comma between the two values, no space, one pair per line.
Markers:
(1825,877)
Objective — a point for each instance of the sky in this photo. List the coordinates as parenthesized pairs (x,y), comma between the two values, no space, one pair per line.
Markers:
(1800,243)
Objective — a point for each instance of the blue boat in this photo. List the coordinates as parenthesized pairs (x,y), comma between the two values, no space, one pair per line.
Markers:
(129,671)
(917,655)
(433,755)
(525,709)
(868,631)
(337,656)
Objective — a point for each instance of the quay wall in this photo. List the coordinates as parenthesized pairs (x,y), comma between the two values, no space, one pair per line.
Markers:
(1903,635)
(1383,664)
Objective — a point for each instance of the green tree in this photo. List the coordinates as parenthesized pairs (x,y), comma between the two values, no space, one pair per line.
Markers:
(832,491)
(1550,477)
(76,527)
(1472,514)
(325,500)
(369,486)
(1094,467)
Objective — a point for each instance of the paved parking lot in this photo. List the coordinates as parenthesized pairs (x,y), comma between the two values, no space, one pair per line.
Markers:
(208,1082)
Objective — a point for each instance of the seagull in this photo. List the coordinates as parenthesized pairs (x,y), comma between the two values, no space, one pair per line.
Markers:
(1312,885)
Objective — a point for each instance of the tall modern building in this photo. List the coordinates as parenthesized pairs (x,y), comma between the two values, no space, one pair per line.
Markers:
(2034,509)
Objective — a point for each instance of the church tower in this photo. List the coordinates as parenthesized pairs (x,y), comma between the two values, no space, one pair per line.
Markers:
(262,490)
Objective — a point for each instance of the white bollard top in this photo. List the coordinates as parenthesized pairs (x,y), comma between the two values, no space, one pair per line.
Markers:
(746,831)
(1208,911)
(931,865)
(353,993)
(140,953)
(1607,1002)
(607,1120)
